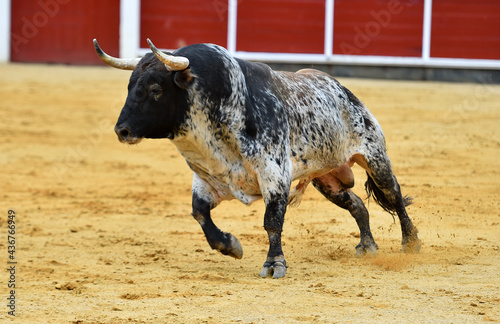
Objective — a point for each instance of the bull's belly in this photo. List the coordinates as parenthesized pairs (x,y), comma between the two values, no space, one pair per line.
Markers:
(318,161)
(232,178)
(312,169)
(241,183)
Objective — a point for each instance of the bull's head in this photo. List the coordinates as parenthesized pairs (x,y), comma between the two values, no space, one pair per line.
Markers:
(157,100)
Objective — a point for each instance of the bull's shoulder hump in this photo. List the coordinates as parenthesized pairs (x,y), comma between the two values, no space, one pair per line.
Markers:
(254,70)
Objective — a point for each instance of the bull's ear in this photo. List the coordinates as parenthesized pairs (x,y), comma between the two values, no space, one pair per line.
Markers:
(184,78)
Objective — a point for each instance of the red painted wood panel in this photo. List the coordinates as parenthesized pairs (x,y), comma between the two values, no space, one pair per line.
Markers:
(173,24)
(281,26)
(61,31)
(376,27)
(466,29)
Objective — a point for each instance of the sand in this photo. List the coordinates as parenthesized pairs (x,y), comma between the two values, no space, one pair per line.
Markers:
(104,232)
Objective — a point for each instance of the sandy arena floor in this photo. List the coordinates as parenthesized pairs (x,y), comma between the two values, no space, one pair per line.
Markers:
(104,232)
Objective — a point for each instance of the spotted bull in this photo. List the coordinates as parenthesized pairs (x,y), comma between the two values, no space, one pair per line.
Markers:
(247,132)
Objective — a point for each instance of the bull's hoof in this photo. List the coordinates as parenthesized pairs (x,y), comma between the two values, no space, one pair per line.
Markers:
(235,250)
(412,246)
(231,246)
(275,268)
(366,249)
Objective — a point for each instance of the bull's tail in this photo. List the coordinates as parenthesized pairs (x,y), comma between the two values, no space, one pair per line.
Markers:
(378,195)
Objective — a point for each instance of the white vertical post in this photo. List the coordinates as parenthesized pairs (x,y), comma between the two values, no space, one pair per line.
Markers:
(329,5)
(232,23)
(130,28)
(5,16)
(426,35)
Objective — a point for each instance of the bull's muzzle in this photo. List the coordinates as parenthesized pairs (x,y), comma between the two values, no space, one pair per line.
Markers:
(125,136)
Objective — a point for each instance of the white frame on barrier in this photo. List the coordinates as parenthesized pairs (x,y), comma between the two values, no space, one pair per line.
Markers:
(130,28)
(5,30)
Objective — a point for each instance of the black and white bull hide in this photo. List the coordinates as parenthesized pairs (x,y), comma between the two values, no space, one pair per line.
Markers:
(247,132)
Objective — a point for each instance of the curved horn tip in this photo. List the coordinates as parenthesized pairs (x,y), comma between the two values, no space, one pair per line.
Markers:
(96,45)
(152,46)
(98,49)
(124,64)
(172,63)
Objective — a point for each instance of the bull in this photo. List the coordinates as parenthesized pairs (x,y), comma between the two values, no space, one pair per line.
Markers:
(247,132)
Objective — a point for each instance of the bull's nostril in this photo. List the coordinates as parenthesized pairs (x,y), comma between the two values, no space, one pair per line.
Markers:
(124,133)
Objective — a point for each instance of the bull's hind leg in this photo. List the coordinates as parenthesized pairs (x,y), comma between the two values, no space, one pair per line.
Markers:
(384,187)
(339,193)
(203,202)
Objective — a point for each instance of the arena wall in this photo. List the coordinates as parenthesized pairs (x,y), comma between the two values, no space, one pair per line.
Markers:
(422,34)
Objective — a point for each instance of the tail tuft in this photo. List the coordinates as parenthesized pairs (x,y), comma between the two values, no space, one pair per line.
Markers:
(378,195)
(408,200)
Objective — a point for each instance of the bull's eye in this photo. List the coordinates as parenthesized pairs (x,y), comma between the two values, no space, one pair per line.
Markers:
(140,94)
(156,91)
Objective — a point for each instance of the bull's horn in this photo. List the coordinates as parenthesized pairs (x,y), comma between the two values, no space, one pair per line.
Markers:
(124,64)
(172,63)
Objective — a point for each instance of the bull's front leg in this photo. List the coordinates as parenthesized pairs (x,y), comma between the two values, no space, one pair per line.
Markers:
(204,200)
(275,179)
(274,217)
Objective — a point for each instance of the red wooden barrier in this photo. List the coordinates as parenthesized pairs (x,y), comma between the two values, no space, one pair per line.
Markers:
(466,29)
(61,31)
(173,24)
(281,26)
(376,27)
